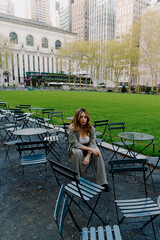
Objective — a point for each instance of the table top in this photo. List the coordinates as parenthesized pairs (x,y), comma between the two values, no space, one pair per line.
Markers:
(135,136)
(29,131)
(36,108)
(69,118)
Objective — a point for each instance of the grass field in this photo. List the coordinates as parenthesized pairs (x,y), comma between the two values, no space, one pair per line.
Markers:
(139,112)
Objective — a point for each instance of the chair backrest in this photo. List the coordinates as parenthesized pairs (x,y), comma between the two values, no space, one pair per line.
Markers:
(65,126)
(21,120)
(55,117)
(16,111)
(32,146)
(102,125)
(101,233)
(61,209)
(40,122)
(114,128)
(47,111)
(3,105)
(64,171)
(131,165)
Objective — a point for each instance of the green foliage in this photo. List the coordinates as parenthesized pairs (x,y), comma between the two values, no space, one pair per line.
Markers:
(123,89)
(138,111)
(147,89)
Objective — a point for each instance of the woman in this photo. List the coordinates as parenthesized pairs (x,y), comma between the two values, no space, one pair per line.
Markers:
(82,144)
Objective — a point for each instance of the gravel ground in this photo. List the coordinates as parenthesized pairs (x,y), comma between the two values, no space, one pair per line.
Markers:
(27,205)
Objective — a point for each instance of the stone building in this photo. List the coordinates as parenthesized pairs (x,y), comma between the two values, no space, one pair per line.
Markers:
(33,48)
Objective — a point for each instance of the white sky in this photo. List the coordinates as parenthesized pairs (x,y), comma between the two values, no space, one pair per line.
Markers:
(21,4)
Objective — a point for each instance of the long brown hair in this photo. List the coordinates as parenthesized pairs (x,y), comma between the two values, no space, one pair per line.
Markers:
(76,121)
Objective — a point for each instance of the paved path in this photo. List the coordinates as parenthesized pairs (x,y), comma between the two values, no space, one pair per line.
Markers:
(26,205)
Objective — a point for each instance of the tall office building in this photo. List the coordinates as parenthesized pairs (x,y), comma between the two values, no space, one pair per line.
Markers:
(128,12)
(149,64)
(102,20)
(56,14)
(40,11)
(7,7)
(80,19)
(63,14)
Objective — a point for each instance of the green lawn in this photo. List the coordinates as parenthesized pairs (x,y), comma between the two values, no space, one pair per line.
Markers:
(139,112)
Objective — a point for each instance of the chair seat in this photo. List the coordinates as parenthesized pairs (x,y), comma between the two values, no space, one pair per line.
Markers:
(52,138)
(53,131)
(122,143)
(12,142)
(33,159)
(88,189)
(28,114)
(101,233)
(153,161)
(98,133)
(138,207)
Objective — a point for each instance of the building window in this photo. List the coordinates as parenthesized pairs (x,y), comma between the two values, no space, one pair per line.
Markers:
(56,65)
(33,63)
(18,68)
(57,44)
(44,42)
(13,37)
(52,66)
(29,40)
(12,60)
(48,64)
(38,64)
(43,65)
(23,66)
(28,63)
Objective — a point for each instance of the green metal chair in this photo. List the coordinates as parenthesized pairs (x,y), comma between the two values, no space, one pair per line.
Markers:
(63,208)
(143,208)
(80,191)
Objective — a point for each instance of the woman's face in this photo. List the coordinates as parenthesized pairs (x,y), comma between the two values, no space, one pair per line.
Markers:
(83,119)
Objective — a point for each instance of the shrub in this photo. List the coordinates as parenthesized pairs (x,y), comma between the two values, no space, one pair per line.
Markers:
(123,89)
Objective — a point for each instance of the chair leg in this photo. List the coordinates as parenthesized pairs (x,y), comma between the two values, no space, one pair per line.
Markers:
(90,164)
(7,157)
(151,220)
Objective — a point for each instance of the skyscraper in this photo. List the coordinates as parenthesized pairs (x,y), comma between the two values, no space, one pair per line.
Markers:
(101,19)
(7,7)
(63,14)
(80,19)
(128,12)
(40,11)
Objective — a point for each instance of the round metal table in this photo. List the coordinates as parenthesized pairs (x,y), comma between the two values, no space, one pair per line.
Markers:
(136,136)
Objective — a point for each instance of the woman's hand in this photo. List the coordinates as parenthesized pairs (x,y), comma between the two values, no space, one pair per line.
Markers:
(96,152)
(86,160)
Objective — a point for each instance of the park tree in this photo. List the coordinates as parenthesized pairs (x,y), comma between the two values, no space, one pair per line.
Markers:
(4,52)
(150,44)
(72,54)
(90,51)
(131,43)
(116,59)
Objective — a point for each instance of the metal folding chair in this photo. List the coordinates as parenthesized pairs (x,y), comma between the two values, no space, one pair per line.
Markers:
(79,191)
(153,164)
(56,118)
(140,208)
(113,128)
(32,153)
(63,208)
(101,233)
(42,122)
(102,126)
